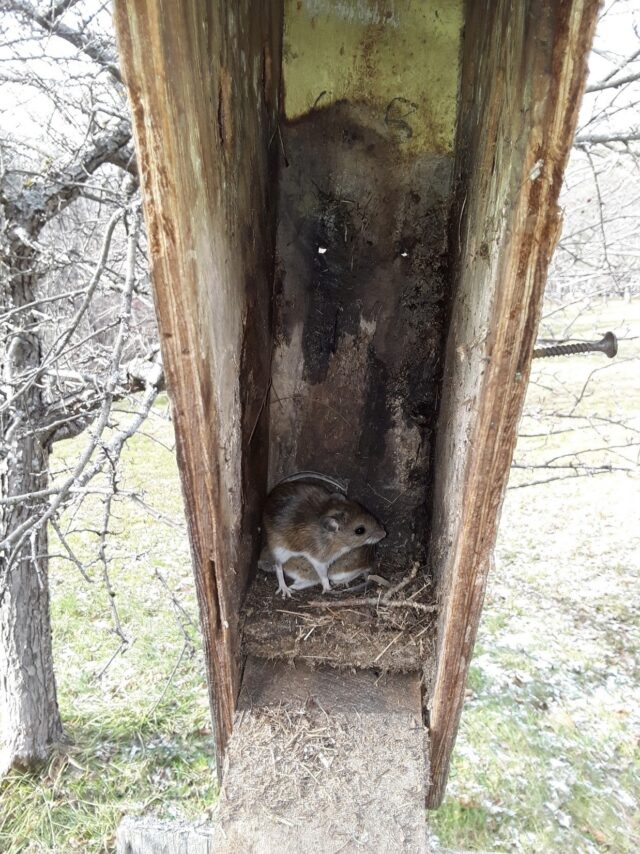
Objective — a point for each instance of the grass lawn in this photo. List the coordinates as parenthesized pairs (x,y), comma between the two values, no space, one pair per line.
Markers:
(547,756)
(140,733)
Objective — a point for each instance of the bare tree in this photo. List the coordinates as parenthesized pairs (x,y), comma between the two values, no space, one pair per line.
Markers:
(598,253)
(598,257)
(75,323)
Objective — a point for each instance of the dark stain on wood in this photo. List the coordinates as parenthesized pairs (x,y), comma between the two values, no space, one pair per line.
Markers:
(330,313)
(362,241)
(373,443)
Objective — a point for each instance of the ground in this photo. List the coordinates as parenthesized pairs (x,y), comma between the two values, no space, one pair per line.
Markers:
(547,756)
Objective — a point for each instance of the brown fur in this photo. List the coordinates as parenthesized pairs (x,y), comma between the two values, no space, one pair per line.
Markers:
(296,516)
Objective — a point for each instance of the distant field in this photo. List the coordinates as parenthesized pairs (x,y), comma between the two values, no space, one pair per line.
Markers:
(547,757)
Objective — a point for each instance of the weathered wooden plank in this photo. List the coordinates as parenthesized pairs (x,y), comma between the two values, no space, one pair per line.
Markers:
(324,761)
(524,68)
(150,835)
(203,79)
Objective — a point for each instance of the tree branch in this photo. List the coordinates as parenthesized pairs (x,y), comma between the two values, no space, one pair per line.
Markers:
(83,472)
(29,210)
(70,417)
(604,138)
(52,24)
(612,84)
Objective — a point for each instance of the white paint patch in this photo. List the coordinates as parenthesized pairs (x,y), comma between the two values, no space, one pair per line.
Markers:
(355,11)
(368,327)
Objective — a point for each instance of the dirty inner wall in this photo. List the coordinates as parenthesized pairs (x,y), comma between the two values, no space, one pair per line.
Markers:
(370,92)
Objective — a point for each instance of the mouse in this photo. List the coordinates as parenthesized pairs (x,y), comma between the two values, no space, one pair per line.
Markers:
(305,517)
(344,570)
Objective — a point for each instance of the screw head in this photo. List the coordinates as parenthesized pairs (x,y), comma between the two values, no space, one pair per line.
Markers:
(610,345)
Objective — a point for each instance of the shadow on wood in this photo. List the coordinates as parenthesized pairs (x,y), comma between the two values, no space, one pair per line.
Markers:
(351,210)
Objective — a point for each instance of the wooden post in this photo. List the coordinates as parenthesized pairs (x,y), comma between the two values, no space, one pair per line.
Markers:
(151,835)
(323,760)
(203,82)
(524,69)
(355,352)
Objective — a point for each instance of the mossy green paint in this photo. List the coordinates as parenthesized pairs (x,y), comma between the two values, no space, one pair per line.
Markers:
(400,57)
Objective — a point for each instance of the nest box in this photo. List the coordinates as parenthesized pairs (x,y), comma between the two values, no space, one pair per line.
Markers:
(351,207)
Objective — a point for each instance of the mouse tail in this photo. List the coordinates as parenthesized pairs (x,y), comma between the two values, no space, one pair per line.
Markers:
(340,486)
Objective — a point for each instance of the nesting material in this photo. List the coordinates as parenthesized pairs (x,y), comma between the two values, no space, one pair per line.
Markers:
(387,629)
(324,761)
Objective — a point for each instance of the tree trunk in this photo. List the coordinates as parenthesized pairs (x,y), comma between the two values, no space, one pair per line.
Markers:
(29,716)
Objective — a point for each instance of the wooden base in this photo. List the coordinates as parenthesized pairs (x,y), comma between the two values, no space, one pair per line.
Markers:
(322,760)
(319,760)
(150,835)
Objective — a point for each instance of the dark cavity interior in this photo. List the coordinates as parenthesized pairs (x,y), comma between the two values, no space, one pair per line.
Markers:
(361,297)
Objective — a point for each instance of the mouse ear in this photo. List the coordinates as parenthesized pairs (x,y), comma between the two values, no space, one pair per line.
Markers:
(333,521)
(338,496)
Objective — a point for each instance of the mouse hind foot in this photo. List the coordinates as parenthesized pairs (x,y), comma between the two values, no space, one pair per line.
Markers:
(283,590)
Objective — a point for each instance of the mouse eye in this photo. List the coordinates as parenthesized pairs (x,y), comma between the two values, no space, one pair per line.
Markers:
(360,530)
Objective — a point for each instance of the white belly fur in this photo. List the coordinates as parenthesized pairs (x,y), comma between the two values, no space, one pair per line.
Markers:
(282,556)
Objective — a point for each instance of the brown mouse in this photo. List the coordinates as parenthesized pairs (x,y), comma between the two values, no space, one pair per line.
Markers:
(303,518)
(298,570)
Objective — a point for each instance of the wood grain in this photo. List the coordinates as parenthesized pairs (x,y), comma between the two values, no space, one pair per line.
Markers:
(359,315)
(524,69)
(203,83)
(322,760)
(151,835)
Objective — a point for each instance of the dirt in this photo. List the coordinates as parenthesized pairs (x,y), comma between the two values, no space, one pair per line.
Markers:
(344,631)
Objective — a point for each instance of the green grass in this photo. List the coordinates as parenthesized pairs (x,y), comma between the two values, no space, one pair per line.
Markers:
(547,755)
(139,733)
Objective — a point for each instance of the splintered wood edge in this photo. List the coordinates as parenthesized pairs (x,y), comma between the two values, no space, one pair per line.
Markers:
(211,229)
(151,835)
(504,232)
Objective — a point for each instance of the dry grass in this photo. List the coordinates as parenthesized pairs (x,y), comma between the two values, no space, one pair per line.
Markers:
(392,630)
(547,757)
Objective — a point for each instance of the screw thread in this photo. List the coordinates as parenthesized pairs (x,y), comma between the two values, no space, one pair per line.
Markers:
(608,345)
(563,350)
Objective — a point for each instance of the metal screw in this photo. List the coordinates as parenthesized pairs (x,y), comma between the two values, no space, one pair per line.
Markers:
(608,345)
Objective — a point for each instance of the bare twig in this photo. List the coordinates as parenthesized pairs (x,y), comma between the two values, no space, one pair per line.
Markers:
(83,472)
(356,601)
(185,646)
(393,591)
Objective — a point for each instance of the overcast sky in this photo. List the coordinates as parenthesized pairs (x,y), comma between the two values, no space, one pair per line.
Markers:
(27,114)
